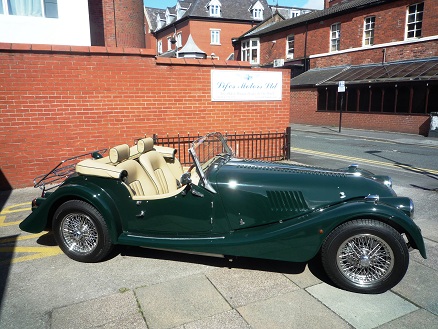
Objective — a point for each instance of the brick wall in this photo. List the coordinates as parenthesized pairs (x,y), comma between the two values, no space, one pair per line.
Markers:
(377,55)
(123,22)
(390,28)
(59,101)
(303,110)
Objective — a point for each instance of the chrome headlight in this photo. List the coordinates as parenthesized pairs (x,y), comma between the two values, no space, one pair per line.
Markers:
(402,203)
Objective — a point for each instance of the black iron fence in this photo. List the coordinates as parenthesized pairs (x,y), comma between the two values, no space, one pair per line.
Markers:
(269,146)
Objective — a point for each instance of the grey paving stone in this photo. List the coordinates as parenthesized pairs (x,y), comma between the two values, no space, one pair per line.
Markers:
(420,319)
(360,310)
(296,309)
(97,312)
(420,286)
(227,320)
(432,255)
(133,321)
(180,301)
(305,279)
(243,286)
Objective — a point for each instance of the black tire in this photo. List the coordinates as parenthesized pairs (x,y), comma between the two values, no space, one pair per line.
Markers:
(81,232)
(365,256)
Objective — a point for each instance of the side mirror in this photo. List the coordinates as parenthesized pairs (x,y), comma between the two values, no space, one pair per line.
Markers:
(186,178)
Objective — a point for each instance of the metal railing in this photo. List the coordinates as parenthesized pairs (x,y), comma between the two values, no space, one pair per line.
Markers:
(269,146)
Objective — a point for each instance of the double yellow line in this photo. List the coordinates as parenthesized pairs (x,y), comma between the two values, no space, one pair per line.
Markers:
(362,160)
(11,253)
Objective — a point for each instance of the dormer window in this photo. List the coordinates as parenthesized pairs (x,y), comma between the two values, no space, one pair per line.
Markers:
(257,14)
(160,22)
(257,11)
(214,8)
(180,11)
(168,18)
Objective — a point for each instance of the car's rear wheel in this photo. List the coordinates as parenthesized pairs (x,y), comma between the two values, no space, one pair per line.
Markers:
(81,232)
(365,256)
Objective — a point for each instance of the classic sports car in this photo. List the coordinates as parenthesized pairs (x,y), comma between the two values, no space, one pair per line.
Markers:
(224,205)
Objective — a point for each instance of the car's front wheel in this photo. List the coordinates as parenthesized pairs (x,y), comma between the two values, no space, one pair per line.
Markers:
(81,232)
(366,256)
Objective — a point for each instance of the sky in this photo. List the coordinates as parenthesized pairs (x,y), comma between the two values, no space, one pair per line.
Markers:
(312,4)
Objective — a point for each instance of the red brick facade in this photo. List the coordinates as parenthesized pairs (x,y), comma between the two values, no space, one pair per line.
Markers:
(201,34)
(312,42)
(117,23)
(56,102)
(390,30)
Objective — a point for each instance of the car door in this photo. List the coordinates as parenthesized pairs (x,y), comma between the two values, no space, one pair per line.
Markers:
(188,213)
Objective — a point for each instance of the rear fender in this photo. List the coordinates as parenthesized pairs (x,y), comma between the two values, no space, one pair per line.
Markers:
(41,218)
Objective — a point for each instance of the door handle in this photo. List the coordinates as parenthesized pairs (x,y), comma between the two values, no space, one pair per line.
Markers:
(140,215)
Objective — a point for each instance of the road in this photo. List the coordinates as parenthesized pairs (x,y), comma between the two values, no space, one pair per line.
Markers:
(409,165)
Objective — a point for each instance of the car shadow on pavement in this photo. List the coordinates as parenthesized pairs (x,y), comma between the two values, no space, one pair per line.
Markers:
(257,264)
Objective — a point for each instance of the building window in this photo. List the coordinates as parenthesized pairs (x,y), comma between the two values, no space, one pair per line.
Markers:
(160,47)
(335,37)
(290,46)
(412,98)
(251,51)
(257,11)
(415,20)
(214,7)
(368,31)
(36,8)
(215,37)
(169,43)
(215,10)
(257,14)
(294,13)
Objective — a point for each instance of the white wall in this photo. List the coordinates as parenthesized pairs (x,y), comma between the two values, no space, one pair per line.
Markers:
(72,27)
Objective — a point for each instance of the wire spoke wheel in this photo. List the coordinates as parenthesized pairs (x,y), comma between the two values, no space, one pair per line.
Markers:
(79,233)
(365,259)
(365,255)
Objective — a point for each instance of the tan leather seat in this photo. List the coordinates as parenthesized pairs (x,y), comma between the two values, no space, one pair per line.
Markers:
(137,179)
(155,165)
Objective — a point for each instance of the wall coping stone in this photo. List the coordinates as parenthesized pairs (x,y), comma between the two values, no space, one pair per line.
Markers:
(99,50)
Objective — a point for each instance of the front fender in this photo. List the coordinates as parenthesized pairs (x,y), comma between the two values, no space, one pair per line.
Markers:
(374,210)
(41,217)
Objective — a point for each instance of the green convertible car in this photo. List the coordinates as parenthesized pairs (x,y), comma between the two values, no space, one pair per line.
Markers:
(223,205)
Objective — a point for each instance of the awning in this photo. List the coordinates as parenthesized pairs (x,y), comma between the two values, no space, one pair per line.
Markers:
(417,70)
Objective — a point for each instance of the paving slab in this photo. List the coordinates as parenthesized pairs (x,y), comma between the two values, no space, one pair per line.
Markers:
(180,301)
(418,319)
(102,312)
(360,310)
(304,279)
(432,255)
(227,320)
(296,309)
(420,287)
(242,286)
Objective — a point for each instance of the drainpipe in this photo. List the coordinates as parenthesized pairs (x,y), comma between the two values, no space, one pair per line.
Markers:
(305,48)
(115,23)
